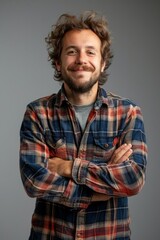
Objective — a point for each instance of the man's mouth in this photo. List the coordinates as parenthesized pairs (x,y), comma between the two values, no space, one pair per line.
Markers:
(81,69)
(78,70)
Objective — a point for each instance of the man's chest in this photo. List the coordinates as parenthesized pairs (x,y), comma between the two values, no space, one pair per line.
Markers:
(65,139)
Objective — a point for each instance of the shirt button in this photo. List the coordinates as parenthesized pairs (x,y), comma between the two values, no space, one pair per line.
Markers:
(79,236)
(106,145)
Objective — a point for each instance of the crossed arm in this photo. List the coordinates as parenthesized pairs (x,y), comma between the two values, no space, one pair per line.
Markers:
(64,167)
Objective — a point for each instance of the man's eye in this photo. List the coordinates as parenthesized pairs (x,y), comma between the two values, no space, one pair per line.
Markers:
(71,52)
(91,53)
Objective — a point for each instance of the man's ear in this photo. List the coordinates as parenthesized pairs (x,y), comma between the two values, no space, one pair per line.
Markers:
(58,66)
(103,66)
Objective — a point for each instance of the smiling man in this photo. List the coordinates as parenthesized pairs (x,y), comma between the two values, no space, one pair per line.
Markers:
(81,62)
(83,150)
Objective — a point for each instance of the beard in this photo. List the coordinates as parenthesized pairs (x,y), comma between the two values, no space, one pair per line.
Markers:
(84,86)
(81,88)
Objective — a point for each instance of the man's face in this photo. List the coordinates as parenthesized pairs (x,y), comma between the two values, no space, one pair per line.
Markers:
(81,61)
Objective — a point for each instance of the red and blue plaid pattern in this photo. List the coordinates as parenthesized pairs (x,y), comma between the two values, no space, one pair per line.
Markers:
(64,207)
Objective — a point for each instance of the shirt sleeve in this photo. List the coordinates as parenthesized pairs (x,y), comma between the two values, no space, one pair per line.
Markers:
(37,179)
(124,179)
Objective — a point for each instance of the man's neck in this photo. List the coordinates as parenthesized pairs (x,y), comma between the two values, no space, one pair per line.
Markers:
(81,98)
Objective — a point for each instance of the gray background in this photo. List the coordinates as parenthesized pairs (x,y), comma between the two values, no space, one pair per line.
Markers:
(25,74)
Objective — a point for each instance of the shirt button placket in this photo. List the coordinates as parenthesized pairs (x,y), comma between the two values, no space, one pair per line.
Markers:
(80,225)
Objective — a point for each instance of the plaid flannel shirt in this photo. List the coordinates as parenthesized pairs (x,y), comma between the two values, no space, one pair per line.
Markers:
(64,207)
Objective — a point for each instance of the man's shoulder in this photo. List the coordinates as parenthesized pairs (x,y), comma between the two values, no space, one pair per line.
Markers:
(43,101)
(117,99)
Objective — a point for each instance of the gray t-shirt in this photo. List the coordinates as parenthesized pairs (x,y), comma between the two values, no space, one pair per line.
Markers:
(82,113)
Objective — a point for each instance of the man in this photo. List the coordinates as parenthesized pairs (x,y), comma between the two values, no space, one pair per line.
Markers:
(83,151)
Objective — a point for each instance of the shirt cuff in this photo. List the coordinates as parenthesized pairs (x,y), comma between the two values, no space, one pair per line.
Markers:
(79,171)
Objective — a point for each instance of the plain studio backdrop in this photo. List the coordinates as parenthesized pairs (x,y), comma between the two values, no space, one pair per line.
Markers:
(26,74)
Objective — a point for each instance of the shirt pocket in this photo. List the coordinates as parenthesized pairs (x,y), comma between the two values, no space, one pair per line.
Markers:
(104,148)
(56,143)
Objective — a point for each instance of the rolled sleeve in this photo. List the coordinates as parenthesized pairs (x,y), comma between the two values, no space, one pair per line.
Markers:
(80,171)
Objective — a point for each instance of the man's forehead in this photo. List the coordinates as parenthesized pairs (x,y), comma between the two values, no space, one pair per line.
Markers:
(84,37)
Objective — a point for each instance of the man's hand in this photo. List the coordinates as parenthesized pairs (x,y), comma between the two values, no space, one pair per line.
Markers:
(100,197)
(121,154)
(60,166)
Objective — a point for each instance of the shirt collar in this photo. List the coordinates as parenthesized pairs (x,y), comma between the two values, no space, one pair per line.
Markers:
(102,98)
(61,98)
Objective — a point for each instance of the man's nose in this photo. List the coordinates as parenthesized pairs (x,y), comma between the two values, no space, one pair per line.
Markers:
(81,58)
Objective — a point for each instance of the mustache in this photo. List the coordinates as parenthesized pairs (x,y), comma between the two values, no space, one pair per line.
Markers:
(81,68)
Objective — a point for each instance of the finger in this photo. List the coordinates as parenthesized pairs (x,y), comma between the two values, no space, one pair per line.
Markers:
(121,153)
(123,147)
(121,150)
(124,157)
(100,197)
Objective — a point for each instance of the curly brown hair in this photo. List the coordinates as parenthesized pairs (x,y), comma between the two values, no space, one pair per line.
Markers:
(87,20)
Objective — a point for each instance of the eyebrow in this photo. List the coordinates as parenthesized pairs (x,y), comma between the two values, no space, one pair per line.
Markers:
(76,47)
